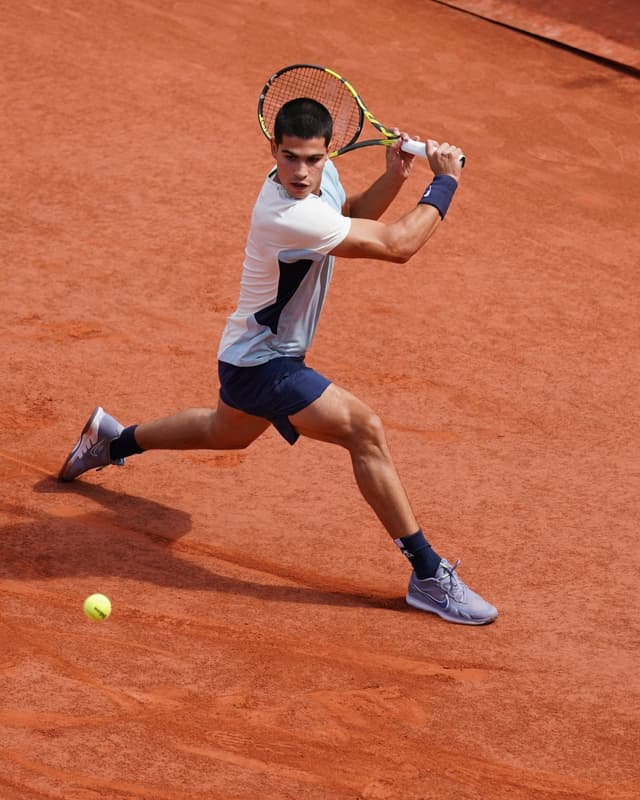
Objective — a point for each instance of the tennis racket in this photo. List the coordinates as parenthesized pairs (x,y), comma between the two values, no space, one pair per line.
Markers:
(338,96)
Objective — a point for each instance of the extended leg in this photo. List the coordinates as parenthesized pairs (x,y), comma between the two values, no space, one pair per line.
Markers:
(224,428)
(105,441)
(339,417)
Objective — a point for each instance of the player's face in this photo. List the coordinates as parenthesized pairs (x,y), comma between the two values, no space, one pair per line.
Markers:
(300,163)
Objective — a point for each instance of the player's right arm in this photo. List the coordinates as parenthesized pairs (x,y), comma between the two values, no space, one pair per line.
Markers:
(399,241)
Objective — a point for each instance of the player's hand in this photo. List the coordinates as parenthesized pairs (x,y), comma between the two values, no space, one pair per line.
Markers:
(399,163)
(444,158)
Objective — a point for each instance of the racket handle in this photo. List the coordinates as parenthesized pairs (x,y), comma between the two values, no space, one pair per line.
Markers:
(420,149)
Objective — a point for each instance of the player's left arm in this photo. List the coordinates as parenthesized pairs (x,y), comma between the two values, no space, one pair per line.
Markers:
(374,201)
(400,240)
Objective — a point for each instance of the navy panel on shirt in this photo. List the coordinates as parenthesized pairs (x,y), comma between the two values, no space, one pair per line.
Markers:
(291,276)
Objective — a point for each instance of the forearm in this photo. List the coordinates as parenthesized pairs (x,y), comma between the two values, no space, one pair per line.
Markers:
(375,200)
(399,241)
(413,230)
(396,241)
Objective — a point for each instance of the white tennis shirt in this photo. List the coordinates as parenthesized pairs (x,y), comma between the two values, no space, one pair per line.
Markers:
(286,272)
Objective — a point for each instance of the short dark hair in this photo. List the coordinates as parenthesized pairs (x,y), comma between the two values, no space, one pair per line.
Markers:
(303,118)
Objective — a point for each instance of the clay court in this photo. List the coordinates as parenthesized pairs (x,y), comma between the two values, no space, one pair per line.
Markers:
(260,645)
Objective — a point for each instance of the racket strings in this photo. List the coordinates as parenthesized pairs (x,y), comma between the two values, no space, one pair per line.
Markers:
(322,87)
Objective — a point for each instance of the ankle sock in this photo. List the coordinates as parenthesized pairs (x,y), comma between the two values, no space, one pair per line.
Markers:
(125,445)
(423,558)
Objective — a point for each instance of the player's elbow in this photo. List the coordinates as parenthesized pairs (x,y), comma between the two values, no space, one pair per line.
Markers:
(402,258)
(399,251)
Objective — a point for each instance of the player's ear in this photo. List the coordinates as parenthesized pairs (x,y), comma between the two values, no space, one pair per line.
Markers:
(274,148)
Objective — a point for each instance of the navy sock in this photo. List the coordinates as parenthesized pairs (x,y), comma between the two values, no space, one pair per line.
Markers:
(422,556)
(125,445)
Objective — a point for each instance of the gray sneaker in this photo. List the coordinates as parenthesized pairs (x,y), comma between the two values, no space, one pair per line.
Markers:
(91,451)
(450,598)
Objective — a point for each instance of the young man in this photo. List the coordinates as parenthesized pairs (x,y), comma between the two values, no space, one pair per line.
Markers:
(301,220)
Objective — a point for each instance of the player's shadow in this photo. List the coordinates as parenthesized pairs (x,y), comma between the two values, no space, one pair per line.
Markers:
(135,538)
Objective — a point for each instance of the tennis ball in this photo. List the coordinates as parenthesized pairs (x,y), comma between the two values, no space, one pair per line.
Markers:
(97,606)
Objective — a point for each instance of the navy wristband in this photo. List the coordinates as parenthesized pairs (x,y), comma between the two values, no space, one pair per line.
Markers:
(439,193)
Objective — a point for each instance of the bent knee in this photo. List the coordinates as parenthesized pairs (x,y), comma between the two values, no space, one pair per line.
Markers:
(366,431)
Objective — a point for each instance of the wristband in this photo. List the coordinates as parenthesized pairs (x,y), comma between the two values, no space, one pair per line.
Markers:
(439,193)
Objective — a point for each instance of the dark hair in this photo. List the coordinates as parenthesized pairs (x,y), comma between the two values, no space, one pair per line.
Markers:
(304,118)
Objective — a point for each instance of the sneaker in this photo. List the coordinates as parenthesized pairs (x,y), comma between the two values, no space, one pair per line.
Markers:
(91,451)
(448,597)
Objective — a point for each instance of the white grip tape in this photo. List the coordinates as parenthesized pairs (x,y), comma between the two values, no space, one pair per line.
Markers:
(419,149)
(415,148)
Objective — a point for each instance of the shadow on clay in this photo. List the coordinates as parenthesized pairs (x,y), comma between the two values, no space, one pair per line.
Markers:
(127,537)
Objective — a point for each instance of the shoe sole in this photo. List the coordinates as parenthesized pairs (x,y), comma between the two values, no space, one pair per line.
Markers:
(411,601)
(69,458)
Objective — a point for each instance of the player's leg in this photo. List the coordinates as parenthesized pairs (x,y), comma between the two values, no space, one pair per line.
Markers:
(339,417)
(224,428)
(105,441)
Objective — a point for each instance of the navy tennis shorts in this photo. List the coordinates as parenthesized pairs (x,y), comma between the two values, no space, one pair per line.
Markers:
(274,390)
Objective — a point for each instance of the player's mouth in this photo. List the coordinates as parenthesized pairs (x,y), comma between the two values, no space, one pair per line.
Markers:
(297,188)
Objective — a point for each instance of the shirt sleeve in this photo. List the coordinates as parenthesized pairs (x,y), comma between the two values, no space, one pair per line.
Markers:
(314,225)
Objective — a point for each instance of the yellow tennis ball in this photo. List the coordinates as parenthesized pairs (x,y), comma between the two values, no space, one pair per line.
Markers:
(97,606)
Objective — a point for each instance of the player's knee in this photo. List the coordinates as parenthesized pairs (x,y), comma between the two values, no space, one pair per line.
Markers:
(212,432)
(369,431)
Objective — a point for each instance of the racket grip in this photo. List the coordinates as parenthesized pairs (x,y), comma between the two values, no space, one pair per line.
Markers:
(420,149)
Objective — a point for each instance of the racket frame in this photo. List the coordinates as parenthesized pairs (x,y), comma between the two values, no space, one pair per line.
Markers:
(412,146)
(363,111)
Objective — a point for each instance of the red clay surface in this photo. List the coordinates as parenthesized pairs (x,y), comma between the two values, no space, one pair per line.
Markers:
(259,644)
(608,29)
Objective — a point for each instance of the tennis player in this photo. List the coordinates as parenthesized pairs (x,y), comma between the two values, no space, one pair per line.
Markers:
(302,219)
